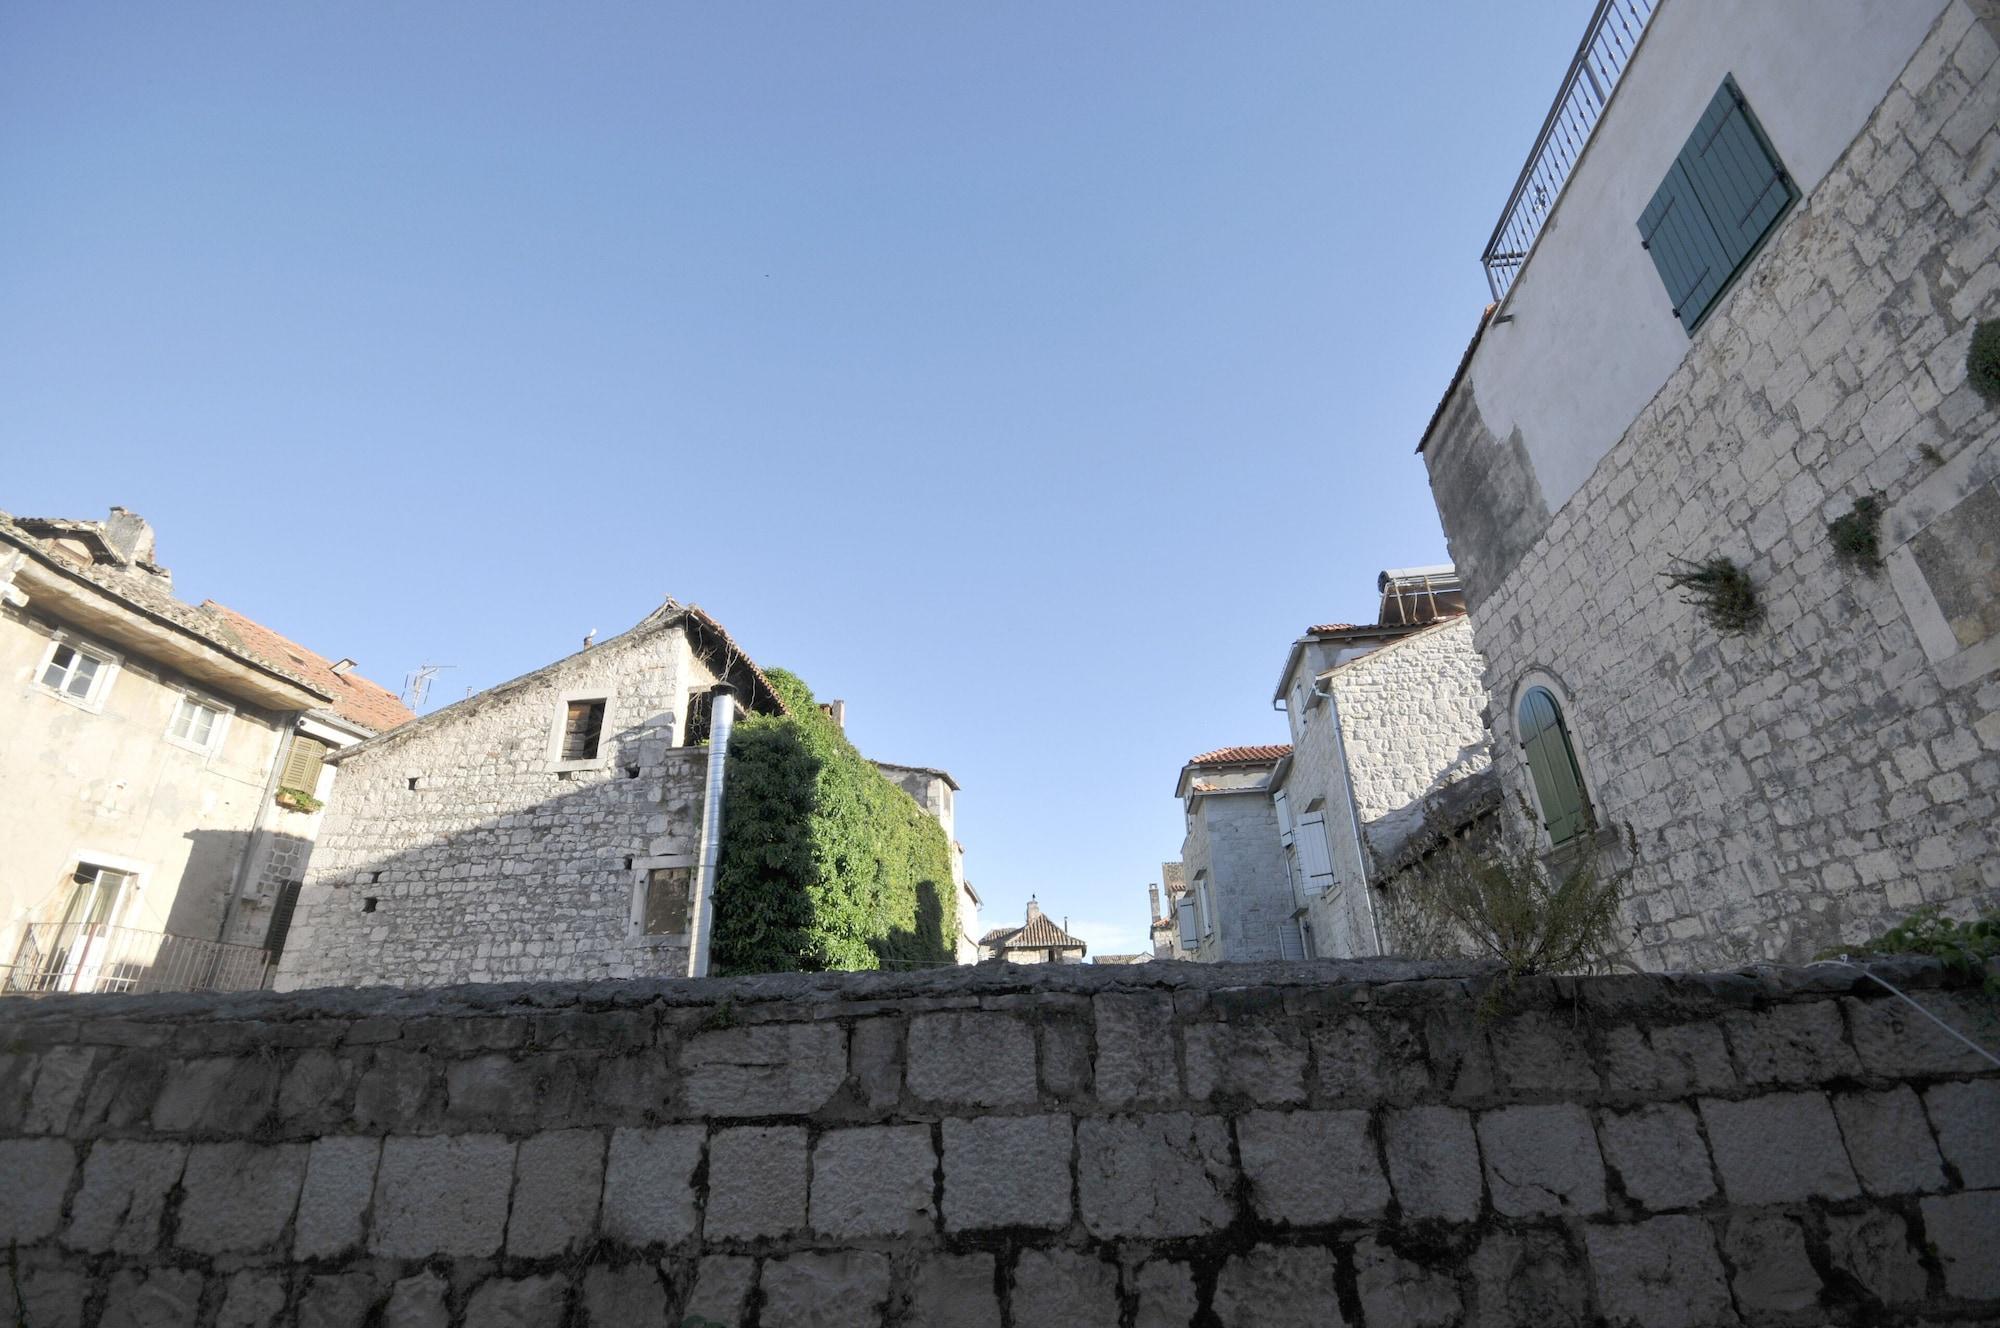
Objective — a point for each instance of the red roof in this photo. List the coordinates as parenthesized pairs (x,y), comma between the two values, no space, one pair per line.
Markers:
(1254,755)
(355,698)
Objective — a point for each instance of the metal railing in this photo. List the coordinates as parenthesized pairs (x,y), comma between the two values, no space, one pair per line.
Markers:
(124,959)
(1607,46)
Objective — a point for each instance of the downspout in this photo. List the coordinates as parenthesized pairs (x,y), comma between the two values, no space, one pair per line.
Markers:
(721,718)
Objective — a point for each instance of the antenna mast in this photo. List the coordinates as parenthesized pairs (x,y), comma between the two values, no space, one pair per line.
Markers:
(417,683)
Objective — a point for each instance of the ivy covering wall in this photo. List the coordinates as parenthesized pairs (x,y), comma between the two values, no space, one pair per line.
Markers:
(825,863)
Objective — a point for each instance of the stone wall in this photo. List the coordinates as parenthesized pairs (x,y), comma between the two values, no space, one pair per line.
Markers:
(1152,1146)
(1233,837)
(1816,779)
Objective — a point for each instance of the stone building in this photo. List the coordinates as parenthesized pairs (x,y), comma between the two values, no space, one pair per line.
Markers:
(161,769)
(936,792)
(1239,902)
(1036,941)
(1739,314)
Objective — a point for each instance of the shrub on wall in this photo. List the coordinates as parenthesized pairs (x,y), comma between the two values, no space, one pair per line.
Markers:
(1982,360)
(1857,537)
(1720,590)
(825,863)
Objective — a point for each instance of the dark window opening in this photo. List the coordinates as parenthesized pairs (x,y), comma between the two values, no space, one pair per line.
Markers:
(1552,765)
(631,772)
(368,904)
(668,901)
(282,907)
(700,710)
(583,728)
(413,783)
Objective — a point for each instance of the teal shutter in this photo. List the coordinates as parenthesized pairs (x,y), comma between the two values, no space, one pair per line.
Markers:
(1720,198)
(1552,765)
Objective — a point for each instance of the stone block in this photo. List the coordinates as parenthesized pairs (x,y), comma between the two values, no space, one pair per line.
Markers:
(757,1179)
(124,1193)
(1804,1042)
(317,1091)
(442,1194)
(1660,1273)
(1164,1175)
(875,1059)
(625,1297)
(491,1090)
(837,1289)
(31,1200)
(46,1298)
(975,1058)
(1542,1160)
(517,1302)
(1165,1291)
(1967,1119)
(338,1300)
(1780,1148)
(649,1184)
(255,1298)
(1895,1042)
(1276,1286)
(1246,1062)
(1773,1273)
(1136,1064)
(722,1284)
(122,1092)
(59,1083)
(1537,1052)
(1874,1249)
(1658,1155)
(394,1090)
(340,1179)
(1064,1289)
(216,1095)
(1889,1141)
(154,1298)
(1965,1230)
(237,1197)
(954,1291)
(876,1180)
(1308,1168)
(1066,1075)
(418,1301)
(1007,1171)
(1368,1059)
(558,1179)
(763,1069)
(1396,1291)
(1461,1061)
(1434,1163)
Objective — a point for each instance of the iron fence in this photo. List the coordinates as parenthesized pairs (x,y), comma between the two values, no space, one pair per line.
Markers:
(124,959)
(1601,58)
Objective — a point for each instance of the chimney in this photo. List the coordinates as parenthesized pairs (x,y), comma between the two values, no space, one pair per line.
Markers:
(130,535)
(1034,909)
(1153,894)
(343,667)
(837,712)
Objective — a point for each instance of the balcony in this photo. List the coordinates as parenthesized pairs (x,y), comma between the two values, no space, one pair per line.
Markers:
(125,960)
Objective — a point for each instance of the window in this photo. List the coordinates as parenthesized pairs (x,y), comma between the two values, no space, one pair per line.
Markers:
(583,729)
(700,714)
(197,724)
(77,673)
(669,900)
(72,954)
(1204,904)
(1723,194)
(1190,925)
(302,763)
(1552,766)
(1315,861)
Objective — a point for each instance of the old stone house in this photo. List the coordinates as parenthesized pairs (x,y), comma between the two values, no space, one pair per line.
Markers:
(1038,940)
(1165,928)
(1239,901)
(154,756)
(937,793)
(1739,313)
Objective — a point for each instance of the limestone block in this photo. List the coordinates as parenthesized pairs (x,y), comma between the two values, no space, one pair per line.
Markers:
(393,1090)
(1537,1052)
(1064,1289)
(756,1182)
(975,1058)
(1773,1274)
(1542,1160)
(337,1300)
(1889,1141)
(418,1301)
(649,1184)
(1394,1290)
(722,1284)
(1368,1060)
(1245,1061)
(31,1199)
(763,1069)
(1165,1291)
(1658,1155)
(1307,1168)
(1967,1119)
(1066,1075)
(839,1289)
(441,1194)
(1278,1287)
(255,1298)
(156,1298)
(317,1091)
(558,1179)
(1154,1175)
(491,1090)
(1874,1249)
(875,1058)
(1801,1043)
(1007,1171)
(238,1197)
(626,1297)
(1965,1228)
(47,1297)
(1895,1042)
(509,1302)
(877,1180)
(1660,1273)
(1780,1148)
(340,1179)
(1135,1049)
(216,1094)
(1461,1061)
(954,1291)
(124,1192)
(1434,1163)
(59,1083)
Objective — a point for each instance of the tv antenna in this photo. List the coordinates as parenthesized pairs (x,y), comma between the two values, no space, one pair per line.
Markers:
(417,683)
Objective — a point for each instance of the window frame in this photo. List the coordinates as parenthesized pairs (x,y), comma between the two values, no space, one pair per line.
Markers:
(187,696)
(110,664)
(559,729)
(635,923)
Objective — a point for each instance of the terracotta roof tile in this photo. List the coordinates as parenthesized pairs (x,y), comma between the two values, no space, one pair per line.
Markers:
(355,698)
(1040,933)
(1251,755)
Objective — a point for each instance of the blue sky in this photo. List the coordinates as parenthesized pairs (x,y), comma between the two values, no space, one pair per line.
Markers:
(1026,374)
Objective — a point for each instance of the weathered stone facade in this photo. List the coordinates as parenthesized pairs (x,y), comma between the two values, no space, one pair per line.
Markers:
(1235,866)
(1816,779)
(1151,1146)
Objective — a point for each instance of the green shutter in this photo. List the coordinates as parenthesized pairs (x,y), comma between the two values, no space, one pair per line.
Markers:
(1552,765)
(1720,198)
(302,764)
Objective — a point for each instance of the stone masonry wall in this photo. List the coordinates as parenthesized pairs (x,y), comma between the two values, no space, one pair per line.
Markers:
(1234,836)
(1816,779)
(1149,1146)
(460,850)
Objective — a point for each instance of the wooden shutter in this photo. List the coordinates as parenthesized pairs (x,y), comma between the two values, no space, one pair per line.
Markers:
(1314,856)
(1552,765)
(1190,925)
(302,763)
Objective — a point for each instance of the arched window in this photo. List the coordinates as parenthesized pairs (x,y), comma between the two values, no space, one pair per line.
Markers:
(1552,763)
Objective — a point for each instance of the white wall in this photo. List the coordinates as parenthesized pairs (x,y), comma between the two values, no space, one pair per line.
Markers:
(1593,336)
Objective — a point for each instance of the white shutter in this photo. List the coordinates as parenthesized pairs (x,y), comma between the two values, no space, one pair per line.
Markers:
(1190,926)
(1313,856)
(1291,945)
(1284,807)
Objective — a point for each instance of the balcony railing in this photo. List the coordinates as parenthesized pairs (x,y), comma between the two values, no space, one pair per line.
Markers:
(123,959)
(1600,60)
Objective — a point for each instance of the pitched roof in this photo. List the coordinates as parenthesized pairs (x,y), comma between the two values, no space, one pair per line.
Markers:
(1038,933)
(355,698)
(1321,629)
(1458,375)
(1255,754)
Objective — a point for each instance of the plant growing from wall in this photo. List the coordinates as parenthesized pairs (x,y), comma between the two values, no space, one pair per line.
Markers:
(298,800)
(1982,360)
(1857,536)
(1962,947)
(1720,590)
(825,863)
